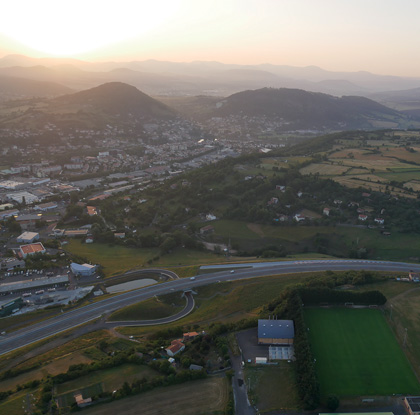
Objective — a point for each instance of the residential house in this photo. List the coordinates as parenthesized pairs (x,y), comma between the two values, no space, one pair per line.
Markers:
(176,347)
(379,221)
(189,336)
(326,211)
(362,217)
(92,210)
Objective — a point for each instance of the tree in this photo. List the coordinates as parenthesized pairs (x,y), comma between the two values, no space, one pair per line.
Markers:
(333,402)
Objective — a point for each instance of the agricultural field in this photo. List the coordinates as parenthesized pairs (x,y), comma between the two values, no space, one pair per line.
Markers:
(203,397)
(324,169)
(108,379)
(357,354)
(372,164)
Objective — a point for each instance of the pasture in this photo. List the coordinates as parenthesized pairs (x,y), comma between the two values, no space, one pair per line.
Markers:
(357,354)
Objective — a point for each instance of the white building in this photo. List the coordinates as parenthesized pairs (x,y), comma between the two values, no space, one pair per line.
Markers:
(84,270)
(27,237)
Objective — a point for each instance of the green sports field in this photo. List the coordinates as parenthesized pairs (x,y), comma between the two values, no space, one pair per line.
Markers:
(356,353)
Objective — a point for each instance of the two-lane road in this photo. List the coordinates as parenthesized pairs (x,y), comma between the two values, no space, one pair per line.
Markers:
(68,320)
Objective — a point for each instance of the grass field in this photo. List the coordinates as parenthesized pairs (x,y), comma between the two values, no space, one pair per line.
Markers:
(357,354)
(118,259)
(203,397)
(272,387)
(152,309)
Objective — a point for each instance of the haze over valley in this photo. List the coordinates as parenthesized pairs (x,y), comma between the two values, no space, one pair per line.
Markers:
(209,207)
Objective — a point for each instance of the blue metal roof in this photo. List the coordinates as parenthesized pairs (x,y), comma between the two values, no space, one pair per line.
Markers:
(276,329)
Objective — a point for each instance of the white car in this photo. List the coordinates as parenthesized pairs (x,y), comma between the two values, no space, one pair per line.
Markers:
(192,278)
(232,271)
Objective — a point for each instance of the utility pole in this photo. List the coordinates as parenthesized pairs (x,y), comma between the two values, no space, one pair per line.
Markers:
(405,338)
(390,316)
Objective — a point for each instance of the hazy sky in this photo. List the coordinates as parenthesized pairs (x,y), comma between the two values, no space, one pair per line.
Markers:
(381,36)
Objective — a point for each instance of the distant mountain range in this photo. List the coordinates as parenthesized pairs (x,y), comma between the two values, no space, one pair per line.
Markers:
(201,78)
(12,88)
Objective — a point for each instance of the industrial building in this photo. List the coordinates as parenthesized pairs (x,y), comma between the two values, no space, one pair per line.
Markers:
(32,286)
(9,306)
(83,270)
(27,237)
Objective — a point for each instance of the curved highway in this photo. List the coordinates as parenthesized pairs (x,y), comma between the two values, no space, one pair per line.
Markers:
(66,321)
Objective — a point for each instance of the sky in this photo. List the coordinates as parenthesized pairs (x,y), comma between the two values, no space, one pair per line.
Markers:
(379,36)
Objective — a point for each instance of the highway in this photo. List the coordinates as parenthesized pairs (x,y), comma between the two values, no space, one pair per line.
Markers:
(14,340)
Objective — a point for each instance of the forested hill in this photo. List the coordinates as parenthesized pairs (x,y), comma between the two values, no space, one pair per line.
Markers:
(117,98)
(308,109)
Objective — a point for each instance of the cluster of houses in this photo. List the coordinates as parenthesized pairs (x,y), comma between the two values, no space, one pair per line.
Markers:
(178,345)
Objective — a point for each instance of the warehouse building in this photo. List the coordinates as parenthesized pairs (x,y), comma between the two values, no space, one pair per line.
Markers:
(83,270)
(34,285)
(27,237)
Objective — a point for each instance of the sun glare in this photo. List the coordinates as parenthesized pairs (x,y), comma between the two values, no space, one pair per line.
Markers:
(69,28)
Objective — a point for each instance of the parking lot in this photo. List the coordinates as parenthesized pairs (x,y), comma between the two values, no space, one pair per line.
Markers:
(248,342)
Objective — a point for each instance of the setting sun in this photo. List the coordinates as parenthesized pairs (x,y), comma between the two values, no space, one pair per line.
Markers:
(72,28)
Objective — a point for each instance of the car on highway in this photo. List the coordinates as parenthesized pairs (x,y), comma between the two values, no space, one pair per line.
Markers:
(192,278)
(232,271)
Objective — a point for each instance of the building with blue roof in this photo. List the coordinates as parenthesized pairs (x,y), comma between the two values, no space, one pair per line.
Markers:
(274,331)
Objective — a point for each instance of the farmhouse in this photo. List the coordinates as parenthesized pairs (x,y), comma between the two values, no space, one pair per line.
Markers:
(175,347)
(276,332)
(412,404)
(81,402)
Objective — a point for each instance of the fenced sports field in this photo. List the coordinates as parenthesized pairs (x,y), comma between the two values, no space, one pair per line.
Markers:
(357,354)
